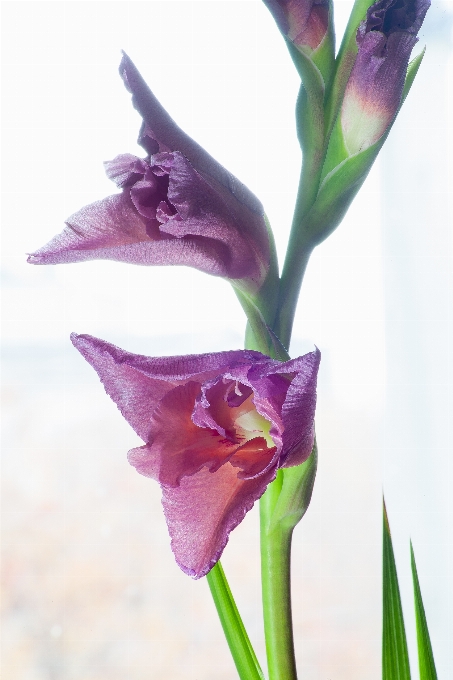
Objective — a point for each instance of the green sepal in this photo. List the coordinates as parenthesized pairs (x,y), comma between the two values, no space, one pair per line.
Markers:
(323,57)
(259,335)
(395,658)
(426,663)
(310,116)
(336,151)
(336,194)
(295,493)
(412,71)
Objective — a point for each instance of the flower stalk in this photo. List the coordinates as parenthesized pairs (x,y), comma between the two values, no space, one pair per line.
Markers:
(276,588)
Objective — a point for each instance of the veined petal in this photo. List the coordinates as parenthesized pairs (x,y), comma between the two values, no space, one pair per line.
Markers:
(169,216)
(111,227)
(298,412)
(228,210)
(204,509)
(177,447)
(216,428)
(137,383)
(160,133)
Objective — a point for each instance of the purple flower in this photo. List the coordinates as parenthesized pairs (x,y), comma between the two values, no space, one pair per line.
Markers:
(178,206)
(303,22)
(216,429)
(373,93)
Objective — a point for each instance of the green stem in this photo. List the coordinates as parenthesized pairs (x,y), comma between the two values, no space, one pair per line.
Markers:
(291,282)
(241,649)
(298,253)
(276,589)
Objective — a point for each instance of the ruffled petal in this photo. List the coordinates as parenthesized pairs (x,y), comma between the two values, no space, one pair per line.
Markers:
(229,212)
(160,133)
(107,229)
(214,439)
(137,383)
(178,448)
(204,509)
(112,229)
(180,208)
(298,412)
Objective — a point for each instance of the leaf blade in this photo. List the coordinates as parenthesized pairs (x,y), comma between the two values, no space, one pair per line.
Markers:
(241,649)
(395,658)
(426,663)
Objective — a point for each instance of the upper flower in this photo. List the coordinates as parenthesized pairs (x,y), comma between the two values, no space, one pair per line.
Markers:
(216,426)
(373,93)
(178,206)
(302,22)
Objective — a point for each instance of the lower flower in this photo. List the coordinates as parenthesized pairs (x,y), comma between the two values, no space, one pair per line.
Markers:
(216,428)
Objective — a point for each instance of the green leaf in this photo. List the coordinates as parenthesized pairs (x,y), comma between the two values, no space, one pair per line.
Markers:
(336,193)
(244,657)
(395,659)
(425,652)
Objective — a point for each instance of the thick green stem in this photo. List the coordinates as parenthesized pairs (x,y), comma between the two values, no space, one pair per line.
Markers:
(298,253)
(276,589)
(291,282)
(238,641)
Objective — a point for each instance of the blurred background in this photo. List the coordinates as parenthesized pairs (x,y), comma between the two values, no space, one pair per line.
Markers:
(90,587)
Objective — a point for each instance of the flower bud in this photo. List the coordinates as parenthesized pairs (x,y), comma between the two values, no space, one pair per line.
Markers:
(373,93)
(302,22)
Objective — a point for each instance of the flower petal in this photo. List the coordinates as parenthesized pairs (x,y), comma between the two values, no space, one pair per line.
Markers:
(214,438)
(161,133)
(241,213)
(112,229)
(137,383)
(298,412)
(177,447)
(178,207)
(204,509)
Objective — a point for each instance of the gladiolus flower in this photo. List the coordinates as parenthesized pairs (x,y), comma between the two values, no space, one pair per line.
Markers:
(178,206)
(373,93)
(302,22)
(216,428)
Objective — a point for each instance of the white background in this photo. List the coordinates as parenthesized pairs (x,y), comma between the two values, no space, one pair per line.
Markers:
(82,531)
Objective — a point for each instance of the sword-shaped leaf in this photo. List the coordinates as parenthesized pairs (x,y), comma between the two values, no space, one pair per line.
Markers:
(395,659)
(425,652)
